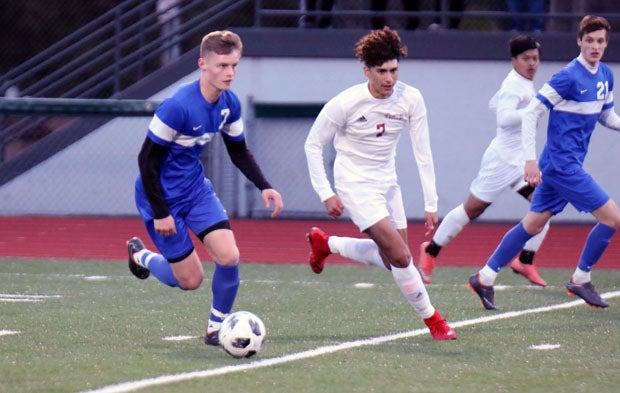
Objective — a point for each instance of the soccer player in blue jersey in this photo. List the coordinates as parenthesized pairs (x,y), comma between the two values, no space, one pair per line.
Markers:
(578,96)
(172,194)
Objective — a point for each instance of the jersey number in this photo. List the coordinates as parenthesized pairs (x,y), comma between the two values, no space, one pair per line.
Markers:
(225,113)
(381,129)
(602,89)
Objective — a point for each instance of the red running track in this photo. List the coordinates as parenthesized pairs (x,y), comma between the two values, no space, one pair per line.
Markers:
(270,241)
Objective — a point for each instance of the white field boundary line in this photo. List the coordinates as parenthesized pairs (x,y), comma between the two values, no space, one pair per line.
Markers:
(167,379)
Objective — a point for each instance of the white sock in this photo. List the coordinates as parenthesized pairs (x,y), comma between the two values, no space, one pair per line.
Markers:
(487,276)
(142,257)
(580,277)
(451,225)
(410,283)
(360,250)
(214,326)
(534,243)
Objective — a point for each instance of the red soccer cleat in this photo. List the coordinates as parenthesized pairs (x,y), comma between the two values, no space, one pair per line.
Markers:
(319,249)
(440,330)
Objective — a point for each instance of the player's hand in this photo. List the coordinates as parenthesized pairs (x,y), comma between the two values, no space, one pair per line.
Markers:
(334,206)
(271,195)
(165,226)
(531,173)
(431,222)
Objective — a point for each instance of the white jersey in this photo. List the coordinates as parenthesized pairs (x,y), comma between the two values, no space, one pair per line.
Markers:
(509,102)
(365,131)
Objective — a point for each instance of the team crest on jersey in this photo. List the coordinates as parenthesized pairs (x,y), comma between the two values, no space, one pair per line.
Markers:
(395,116)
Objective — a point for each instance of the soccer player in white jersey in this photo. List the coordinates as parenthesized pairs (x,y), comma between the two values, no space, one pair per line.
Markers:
(502,164)
(578,96)
(364,123)
(174,197)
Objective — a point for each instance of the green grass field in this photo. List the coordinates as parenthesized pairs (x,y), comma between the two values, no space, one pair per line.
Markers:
(71,326)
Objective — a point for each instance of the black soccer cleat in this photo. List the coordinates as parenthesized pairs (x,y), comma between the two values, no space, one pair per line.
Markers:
(587,292)
(134,245)
(486,293)
(213,338)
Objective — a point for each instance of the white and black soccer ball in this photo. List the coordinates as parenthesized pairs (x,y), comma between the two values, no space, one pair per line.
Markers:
(242,334)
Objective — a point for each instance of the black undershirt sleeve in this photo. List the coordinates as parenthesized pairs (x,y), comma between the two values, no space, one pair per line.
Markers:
(149,160)
(243,159)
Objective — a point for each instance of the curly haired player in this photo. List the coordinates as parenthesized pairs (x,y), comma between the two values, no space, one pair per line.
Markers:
(364,122)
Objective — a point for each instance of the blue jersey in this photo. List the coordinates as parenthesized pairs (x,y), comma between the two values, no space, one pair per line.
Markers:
(185,123)
(576,98)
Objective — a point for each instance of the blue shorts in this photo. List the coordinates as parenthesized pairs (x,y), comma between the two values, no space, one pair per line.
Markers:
(198,212)
(558,189)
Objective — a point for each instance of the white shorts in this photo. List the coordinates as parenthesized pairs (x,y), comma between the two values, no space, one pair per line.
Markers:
(495,176)
(369,203)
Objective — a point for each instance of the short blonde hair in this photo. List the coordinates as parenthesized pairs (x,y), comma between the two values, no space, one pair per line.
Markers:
(221,42)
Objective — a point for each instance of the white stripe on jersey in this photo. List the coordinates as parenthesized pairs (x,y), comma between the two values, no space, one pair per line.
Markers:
(162,131)
(234,129)
(580,108)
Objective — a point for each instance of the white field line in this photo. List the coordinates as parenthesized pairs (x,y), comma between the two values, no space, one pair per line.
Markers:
(13,297)
(133,386)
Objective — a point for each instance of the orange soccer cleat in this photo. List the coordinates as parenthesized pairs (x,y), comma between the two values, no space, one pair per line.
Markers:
(528,271)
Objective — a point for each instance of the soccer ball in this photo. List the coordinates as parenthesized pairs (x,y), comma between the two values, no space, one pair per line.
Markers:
(242,334)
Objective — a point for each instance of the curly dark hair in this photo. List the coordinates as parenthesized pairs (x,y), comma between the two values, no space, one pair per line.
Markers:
(380,46)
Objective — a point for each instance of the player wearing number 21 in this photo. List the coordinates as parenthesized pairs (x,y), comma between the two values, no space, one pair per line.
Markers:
(578,97)
(364,123)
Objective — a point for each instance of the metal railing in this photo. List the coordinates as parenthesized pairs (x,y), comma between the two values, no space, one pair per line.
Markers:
(109,54)
(114,50)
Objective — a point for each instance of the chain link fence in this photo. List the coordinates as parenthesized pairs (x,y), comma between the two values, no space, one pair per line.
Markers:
(95,175)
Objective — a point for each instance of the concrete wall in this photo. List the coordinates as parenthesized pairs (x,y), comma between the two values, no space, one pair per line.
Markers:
(95,176)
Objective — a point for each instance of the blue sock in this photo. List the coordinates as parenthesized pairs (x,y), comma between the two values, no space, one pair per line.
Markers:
(224,287)
(160,268)
(596,243)
(511,244)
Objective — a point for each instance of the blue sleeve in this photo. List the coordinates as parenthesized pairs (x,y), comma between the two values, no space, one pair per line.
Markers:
(562,83)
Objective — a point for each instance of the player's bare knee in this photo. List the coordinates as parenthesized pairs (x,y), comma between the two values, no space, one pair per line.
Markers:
(191,283)
(401,259)
(615,224)
(229,258)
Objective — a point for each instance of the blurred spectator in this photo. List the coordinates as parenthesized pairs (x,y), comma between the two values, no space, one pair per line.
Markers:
(168,17)
(408,5)
(414,5)
(519,23)
(312,20)
(453,22)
